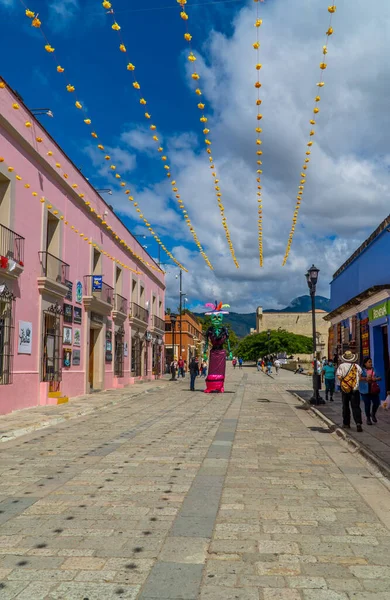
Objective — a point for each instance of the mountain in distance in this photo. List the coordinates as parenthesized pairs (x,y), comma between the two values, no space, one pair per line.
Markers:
(242,323)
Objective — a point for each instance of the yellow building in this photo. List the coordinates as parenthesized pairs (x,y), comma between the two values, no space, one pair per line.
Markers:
(297,322)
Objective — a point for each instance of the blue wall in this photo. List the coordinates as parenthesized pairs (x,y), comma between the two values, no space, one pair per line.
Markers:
(370,268)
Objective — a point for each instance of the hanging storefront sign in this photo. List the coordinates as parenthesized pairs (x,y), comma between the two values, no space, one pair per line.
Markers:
(379,311)
(77,315)
(77,337)
(68,313)
(67,358)
(69,293)
(97,283)
(76,358)
(365,337)
(25,337)
(79,292)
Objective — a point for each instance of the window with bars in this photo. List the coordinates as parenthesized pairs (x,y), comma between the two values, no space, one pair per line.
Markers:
(119,353)
(7,300)
(136,356)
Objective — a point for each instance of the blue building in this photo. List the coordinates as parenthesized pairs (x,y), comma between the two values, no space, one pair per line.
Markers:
(360,303)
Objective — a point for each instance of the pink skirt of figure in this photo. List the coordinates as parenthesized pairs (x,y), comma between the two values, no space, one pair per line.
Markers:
(216,375)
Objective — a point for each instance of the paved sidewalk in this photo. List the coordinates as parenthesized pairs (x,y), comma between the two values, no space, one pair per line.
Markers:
(375,438)
(179,495)
(25,421)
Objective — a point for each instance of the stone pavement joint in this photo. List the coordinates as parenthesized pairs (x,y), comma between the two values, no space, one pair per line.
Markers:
(155,498)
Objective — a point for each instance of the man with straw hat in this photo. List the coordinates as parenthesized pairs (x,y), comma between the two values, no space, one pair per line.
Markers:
(349,374)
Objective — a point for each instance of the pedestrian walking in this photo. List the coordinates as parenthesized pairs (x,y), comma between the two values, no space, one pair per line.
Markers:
(369,391)
(277,366)
(194,372)
(234,363)
(349,374)
(269,367)
(240,361)
(173,370)
(329,376)
(259,364)
(204,369)
(180,364)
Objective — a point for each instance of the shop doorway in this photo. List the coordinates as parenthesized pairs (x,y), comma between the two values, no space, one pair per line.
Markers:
(95,372)
(385,340)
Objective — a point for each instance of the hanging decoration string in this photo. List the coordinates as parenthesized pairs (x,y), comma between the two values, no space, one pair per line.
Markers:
(316,110)
(87,201)
(49,206)
(153,128)
(259,142)
(206,131)
(36,22)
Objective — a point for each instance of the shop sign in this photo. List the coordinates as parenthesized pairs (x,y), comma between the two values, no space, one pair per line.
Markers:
(97,283)
(377,312)
(96,318)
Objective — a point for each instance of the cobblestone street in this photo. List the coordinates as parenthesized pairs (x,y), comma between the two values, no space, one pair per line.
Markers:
(171,494)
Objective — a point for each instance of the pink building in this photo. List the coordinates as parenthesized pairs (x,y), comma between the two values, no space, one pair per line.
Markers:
(81,302)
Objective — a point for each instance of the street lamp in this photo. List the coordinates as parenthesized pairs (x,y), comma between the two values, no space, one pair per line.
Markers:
(269,338)
(104,191)
(41,111)
(312,278)
(173,323)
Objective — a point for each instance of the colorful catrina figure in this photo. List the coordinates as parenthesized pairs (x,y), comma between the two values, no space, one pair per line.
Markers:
(216,335)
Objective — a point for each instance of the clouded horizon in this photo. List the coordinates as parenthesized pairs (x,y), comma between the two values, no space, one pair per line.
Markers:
(347,190)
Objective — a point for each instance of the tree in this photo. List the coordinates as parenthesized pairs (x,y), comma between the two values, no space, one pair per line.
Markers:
(255,346)
(168,311)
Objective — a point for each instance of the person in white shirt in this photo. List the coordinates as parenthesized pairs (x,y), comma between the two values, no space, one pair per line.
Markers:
(277,365)
(349,374)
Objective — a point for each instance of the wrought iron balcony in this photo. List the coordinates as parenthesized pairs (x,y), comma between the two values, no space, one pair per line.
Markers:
(158,323)
(98,297)
(55,273)
(120,311)
(139,313)
(11,252)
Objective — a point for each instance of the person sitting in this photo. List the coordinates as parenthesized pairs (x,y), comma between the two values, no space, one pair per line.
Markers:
(298,370)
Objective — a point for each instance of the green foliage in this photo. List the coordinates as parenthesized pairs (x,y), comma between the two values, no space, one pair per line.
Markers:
(255,346)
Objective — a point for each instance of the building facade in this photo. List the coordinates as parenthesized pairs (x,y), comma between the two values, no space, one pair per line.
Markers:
(360,303)
(81,302)
(192,339)
(298,323)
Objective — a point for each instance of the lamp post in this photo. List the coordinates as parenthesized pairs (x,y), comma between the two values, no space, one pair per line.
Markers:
(269,338)
(173,323)
(312,278)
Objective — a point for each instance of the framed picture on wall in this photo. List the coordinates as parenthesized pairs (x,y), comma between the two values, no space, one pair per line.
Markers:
(67,336)
(68,313)
(76,358)
(67,358)
(77,337)
(25,337)
(77,315)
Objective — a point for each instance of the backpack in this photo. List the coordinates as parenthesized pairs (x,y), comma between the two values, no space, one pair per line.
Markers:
(348,383)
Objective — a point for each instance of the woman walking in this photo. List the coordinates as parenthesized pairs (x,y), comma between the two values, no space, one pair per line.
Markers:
(369,391)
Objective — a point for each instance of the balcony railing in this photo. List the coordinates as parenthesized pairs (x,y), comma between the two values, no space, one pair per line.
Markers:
(158,323)
(11,245)
(120,304)
(53,268)
(138,312)
(105,294)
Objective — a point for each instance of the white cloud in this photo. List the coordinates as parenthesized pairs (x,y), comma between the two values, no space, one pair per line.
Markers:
(62,12)
(348,181)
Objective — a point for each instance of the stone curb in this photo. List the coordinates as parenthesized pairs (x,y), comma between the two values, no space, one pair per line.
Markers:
(15,433)
(352,444)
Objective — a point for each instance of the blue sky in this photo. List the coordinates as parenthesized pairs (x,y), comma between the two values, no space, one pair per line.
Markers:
(348,182)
